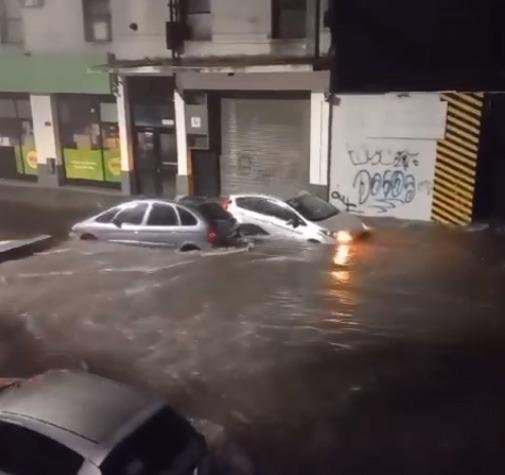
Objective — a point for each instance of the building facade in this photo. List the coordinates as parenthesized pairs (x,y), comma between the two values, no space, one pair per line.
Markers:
(165,98)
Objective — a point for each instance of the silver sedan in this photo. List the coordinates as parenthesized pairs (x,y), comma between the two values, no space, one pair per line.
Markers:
(161,223)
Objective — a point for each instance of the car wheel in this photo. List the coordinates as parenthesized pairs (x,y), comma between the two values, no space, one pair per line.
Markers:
(88,237)
(189,248)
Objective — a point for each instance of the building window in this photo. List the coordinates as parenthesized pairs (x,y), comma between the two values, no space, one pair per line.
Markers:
(11,22)
(97,20)
(18,156)
(199,20)
(90,139)
(289,18)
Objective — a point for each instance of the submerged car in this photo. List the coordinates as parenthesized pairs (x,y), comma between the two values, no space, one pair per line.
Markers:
(186,227)
(305,218)
(72,423)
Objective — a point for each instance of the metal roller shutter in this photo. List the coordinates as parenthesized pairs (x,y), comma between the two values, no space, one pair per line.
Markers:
(265,145)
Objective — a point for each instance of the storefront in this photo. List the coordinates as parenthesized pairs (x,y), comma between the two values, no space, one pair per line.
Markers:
(89,135)
(18,156)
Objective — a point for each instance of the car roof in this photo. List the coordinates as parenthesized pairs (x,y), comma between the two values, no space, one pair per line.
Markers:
(255,195)
(77,409)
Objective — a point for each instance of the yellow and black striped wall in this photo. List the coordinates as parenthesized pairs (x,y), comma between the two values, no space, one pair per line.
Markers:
(457,156)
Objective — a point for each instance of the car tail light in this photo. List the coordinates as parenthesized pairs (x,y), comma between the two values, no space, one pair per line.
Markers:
(226,204)
(212,236)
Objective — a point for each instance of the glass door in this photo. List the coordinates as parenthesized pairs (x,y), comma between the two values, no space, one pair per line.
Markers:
(168,157)
(156,161)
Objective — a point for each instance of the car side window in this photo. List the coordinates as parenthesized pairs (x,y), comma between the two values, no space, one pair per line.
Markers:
(132,214)
(275,210)
(162,215)
(108,216)
(187,219)
(27,452)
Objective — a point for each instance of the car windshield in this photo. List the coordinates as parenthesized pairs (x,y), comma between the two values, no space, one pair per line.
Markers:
(153,449)
(313,208)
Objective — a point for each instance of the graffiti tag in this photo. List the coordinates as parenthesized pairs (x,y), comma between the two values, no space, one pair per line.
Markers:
(387,190)
(387,158)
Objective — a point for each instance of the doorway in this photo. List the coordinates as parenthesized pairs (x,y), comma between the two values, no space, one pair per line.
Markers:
(156,161)
(490,192)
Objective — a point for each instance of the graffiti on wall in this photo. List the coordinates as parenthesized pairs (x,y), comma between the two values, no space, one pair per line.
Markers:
(386,177)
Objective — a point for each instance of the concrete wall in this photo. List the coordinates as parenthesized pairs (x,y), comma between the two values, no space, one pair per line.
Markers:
(237,26)
(384,152)
(57,27)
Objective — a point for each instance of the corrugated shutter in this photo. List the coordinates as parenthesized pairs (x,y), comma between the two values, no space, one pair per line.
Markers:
(265,145)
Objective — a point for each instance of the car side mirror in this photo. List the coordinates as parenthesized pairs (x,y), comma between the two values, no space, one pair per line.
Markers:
(295,222)
(117,223)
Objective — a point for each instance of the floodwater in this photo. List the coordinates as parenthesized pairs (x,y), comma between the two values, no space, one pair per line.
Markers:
(383,357)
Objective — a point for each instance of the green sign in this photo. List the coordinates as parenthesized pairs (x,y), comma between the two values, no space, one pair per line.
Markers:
(112,165)
(26,161)
(83,164)
(87,164)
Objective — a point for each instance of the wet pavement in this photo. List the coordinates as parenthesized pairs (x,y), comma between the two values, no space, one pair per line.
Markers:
(384,357)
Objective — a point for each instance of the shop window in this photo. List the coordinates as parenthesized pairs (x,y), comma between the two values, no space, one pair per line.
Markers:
(11,22)
(199,20)
(18,156)
(97,20)
(289,19)
(90,139)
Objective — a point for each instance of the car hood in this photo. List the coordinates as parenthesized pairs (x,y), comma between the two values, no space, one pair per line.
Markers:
(342,222)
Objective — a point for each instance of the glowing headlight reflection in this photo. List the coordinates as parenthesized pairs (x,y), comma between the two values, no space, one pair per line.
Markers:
(344,237)
(342,255)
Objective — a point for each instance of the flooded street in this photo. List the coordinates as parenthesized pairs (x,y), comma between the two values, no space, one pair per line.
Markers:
(383,357)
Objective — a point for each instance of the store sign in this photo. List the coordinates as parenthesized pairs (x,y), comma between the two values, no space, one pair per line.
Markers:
(27,162)
(83,164)
(112,165)
(86,164)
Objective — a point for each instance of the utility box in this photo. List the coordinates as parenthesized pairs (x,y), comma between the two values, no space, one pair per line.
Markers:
(197,121)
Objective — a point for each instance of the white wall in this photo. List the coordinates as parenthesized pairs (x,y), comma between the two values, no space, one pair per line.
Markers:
(384,152)
(58,27)
(149,40)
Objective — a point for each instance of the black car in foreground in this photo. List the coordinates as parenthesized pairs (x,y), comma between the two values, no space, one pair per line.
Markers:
(72,423)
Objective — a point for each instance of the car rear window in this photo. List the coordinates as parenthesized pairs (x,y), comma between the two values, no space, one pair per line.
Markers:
(187,219)
(212,212)
(152,449)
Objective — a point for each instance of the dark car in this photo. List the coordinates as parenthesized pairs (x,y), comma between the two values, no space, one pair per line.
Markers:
(222,221)
(69,423)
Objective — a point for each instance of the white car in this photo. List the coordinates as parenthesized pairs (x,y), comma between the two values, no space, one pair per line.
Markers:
(304,218)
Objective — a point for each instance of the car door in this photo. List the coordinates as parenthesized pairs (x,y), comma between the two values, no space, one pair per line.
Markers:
(191,231)
(162,226)
(285,222)
(102,226)
(251,211)
(128,223)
